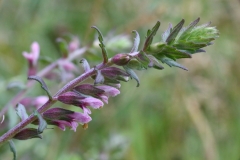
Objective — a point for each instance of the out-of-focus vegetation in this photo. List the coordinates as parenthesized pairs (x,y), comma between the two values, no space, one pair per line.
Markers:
(174,114)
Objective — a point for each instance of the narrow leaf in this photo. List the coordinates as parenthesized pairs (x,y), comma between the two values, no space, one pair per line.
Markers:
(99,78)
(42,123)
(43,84)
(189,28)
(13,149)
(154,62)
(132,75)
(175,32)
(150,35)
(171,63)
(166,33)
(85,65)
(15,85)
(21,111)
(136,42)
(100,38)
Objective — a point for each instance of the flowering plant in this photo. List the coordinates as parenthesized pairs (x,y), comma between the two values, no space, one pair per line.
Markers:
(177,42)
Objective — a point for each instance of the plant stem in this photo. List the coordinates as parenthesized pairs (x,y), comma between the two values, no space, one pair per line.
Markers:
(42,73)
(10,134)
(69,86)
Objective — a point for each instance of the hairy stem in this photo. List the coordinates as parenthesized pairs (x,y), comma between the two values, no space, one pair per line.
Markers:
(10,134)
(70,85)
(42,73)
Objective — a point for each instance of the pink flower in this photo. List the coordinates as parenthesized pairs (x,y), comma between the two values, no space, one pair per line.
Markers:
(79,100)
(109,91)
(74,44)
(36,102)
(32,58)
(100,92)
(67,65)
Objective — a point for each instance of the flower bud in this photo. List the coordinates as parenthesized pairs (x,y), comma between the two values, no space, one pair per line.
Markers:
(121,59)
(27,133)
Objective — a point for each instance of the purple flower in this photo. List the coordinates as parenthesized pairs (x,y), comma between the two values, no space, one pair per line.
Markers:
(100,92)
(108,92)
(82,101)
(74,44)
(32,58)
(65,118)
(36,102)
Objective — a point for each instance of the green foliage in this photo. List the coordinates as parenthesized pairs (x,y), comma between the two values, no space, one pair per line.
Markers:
(152,118)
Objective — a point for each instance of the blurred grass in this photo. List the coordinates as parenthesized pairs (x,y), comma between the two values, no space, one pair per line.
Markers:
(173,115)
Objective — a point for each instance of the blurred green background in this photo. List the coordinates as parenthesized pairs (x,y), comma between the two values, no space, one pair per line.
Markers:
(173,115)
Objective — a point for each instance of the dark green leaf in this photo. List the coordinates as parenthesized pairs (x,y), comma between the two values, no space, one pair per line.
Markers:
(173,53)
(174,33)
(150,35)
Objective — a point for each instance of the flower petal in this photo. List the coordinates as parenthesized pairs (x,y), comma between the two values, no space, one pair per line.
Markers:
(109,91)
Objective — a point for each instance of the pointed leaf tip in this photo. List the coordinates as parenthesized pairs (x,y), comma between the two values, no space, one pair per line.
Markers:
(85,64)
(132,74)
(102,46)
(42,123)
(21,111)
(12,149)
(174,32)
(136,42)
(43,84)
(150,35)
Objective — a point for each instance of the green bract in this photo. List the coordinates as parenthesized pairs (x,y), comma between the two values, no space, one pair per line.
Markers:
(180,42)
